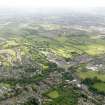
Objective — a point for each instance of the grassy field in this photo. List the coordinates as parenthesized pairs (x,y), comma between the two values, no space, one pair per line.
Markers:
(99,86)
(91,74)
(62,96)
(53,94)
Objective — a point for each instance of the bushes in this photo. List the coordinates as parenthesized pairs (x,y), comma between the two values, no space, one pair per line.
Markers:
(67,76)
(91,83)
(52,66)
(31,101)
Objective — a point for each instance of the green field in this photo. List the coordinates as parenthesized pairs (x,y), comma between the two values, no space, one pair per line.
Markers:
(53,94)
(91,74)
(62,96)
(99,86)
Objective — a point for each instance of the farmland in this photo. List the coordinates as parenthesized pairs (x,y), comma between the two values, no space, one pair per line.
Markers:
(52,60)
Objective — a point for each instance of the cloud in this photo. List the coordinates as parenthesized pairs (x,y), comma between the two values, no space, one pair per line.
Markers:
(52,3)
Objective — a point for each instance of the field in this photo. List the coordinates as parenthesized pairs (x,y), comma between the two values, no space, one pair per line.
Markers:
(99,86)
(53,94)
(36,53)
(62,96)
(91,74)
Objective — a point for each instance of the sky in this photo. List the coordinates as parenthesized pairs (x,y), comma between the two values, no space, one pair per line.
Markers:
(51,3)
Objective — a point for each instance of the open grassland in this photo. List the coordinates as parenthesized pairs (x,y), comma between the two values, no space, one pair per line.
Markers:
(53,94)
(91,74)
(99,86)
